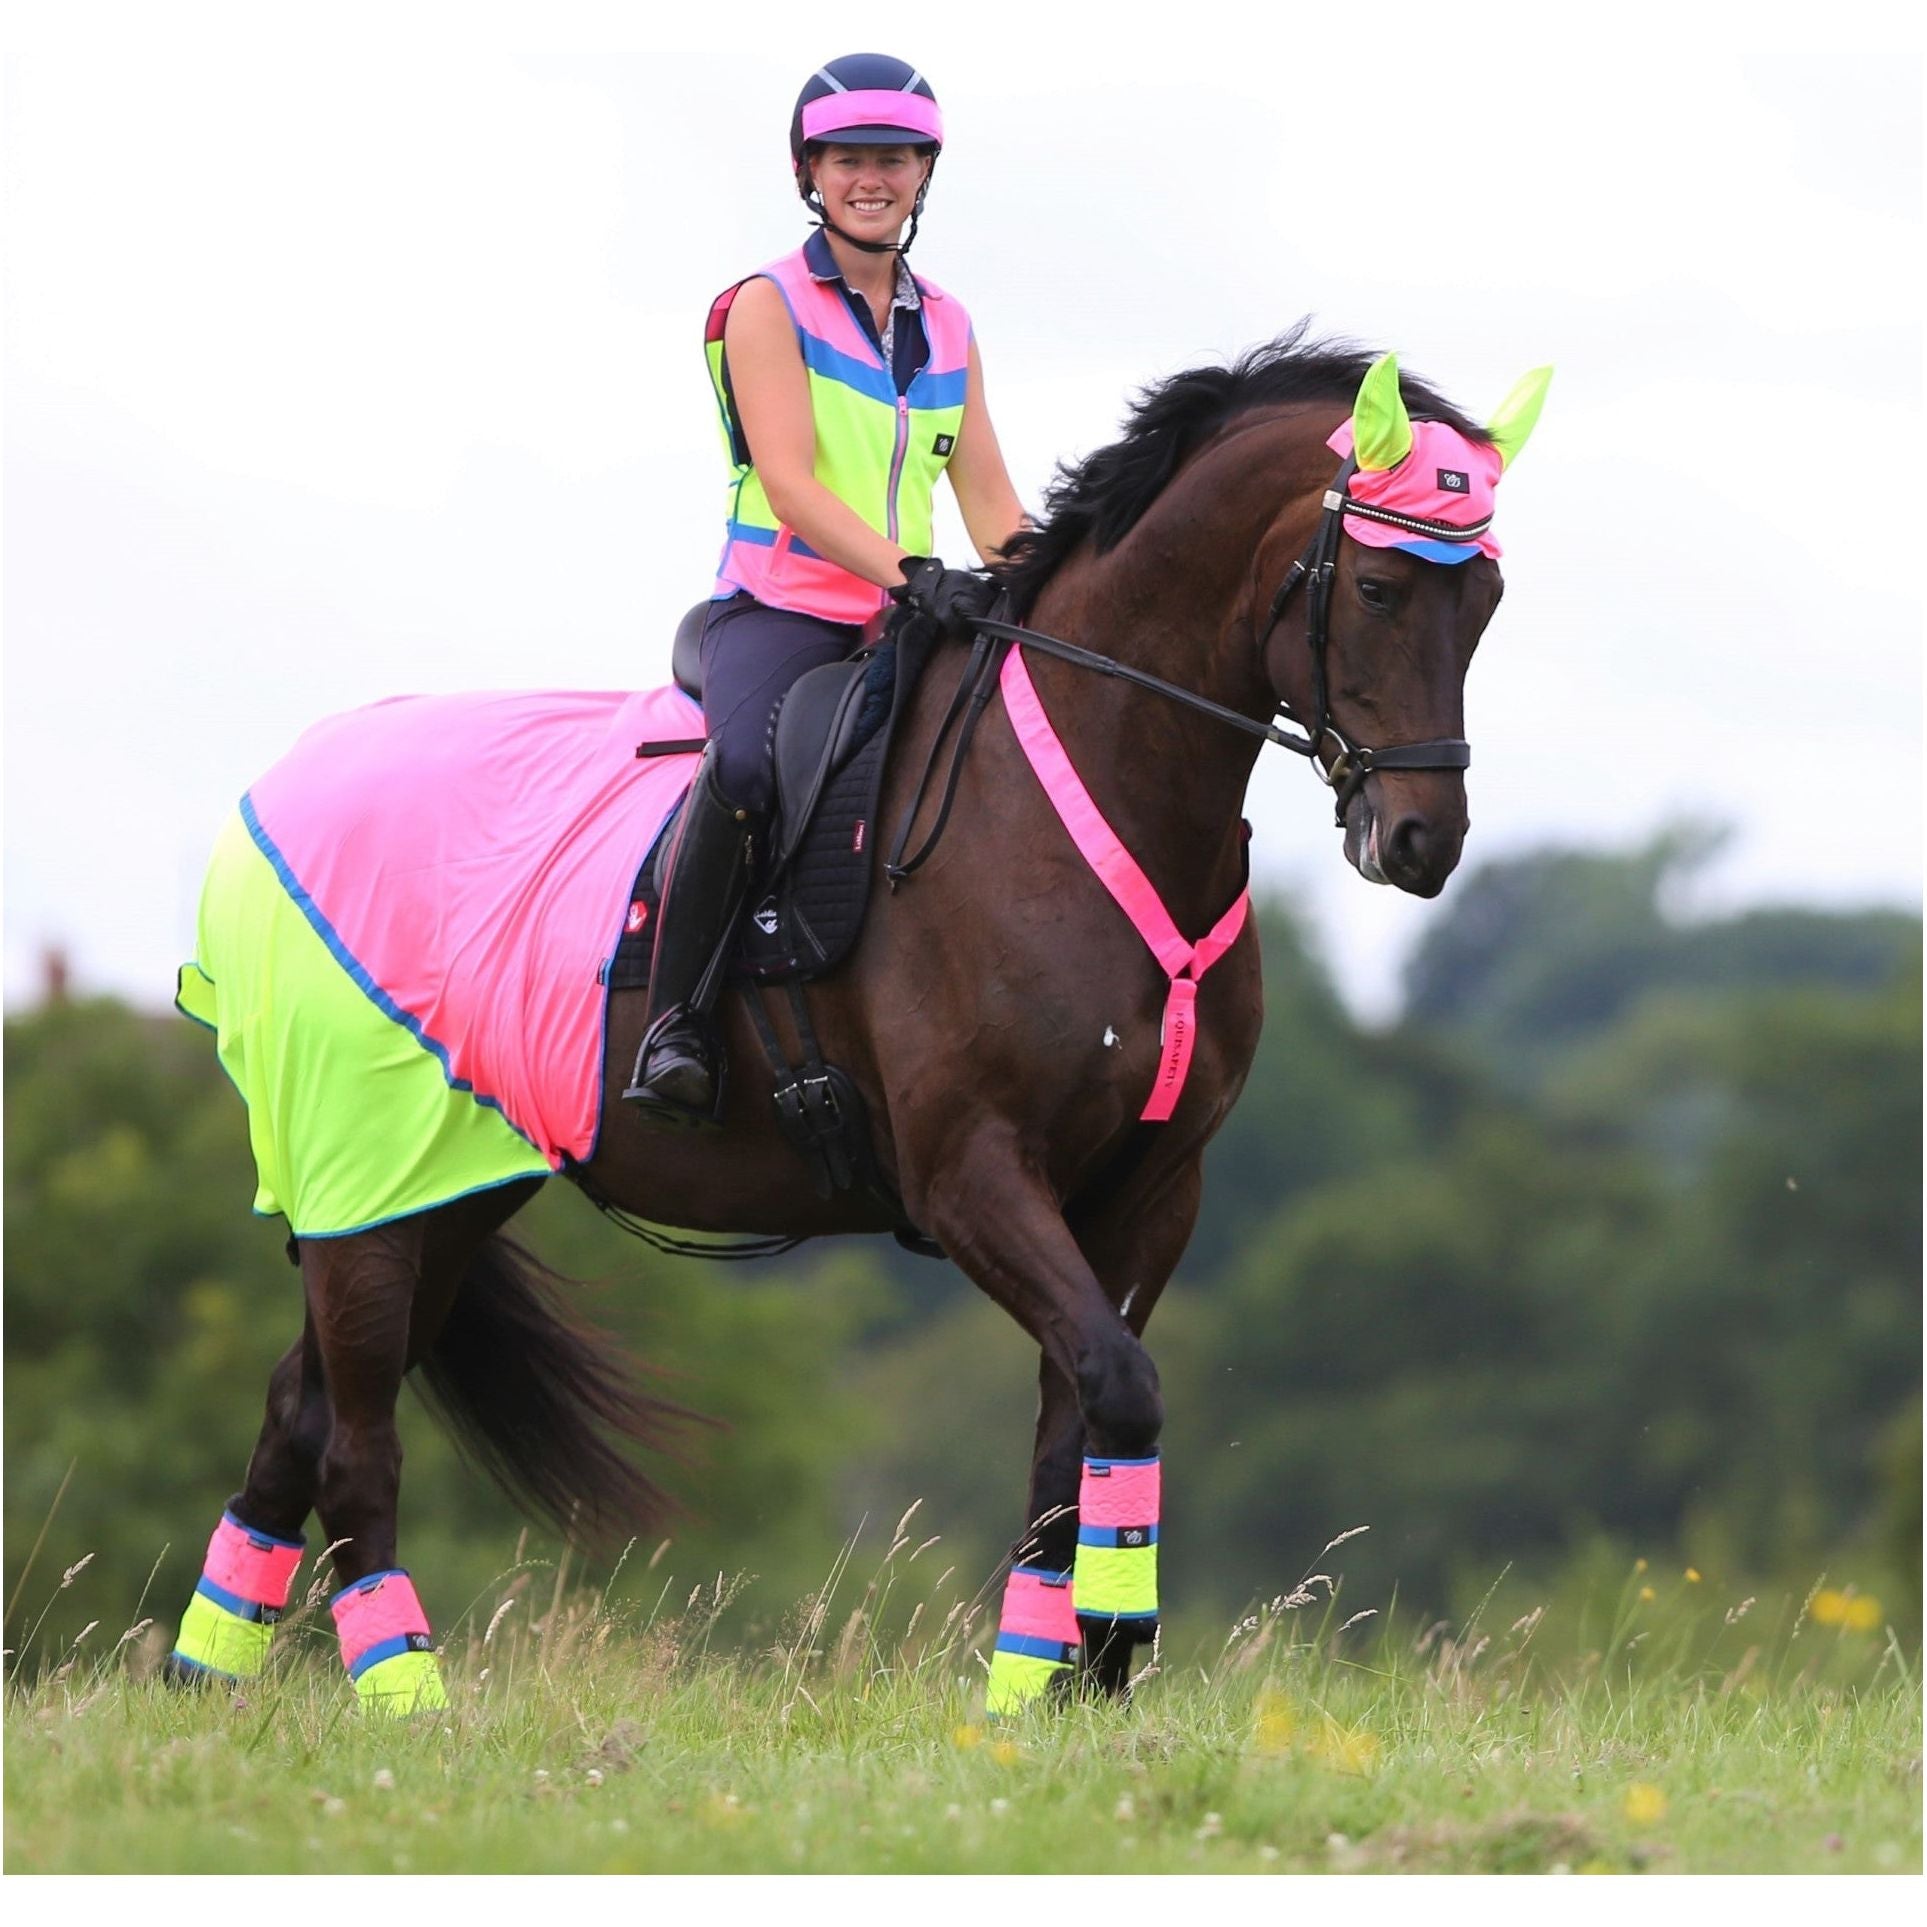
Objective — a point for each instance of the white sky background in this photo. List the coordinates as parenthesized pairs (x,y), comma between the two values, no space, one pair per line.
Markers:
(371,365)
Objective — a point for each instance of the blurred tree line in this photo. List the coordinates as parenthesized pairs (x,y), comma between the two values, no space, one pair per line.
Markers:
(1616,1234)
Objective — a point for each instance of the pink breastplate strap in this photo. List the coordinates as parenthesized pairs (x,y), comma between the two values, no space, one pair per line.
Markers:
(1184,963)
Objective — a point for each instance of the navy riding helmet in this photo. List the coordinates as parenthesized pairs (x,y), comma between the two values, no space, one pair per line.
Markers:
(866,100)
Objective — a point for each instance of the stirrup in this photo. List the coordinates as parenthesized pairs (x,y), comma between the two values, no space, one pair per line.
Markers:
(658,1107)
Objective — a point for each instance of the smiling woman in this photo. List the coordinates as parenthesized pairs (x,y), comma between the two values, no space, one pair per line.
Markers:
(847,386)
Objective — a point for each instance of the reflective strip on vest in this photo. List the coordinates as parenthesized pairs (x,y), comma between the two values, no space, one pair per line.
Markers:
(877,452)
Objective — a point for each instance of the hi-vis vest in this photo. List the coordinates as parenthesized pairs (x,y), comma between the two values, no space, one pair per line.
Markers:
(877,451)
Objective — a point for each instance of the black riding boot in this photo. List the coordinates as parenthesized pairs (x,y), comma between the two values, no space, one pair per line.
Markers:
(679,1067)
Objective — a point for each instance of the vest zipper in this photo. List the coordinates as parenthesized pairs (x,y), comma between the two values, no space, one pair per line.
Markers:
(896,460)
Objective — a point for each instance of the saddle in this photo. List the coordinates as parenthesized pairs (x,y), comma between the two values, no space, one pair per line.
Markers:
(830,741)
(830,744)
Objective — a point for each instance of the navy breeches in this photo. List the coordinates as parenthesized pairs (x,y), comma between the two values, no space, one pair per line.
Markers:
(751,655)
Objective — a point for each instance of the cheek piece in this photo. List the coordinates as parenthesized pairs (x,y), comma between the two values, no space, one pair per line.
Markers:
(386,1646)
(243,1590)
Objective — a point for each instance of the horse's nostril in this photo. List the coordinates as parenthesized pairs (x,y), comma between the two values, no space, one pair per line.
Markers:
(1405,848)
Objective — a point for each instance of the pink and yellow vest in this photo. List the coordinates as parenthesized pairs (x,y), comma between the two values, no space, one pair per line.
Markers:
(876,450)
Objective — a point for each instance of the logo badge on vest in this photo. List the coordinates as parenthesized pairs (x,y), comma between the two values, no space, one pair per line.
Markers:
(943,445)
(765,917)
(1454,481)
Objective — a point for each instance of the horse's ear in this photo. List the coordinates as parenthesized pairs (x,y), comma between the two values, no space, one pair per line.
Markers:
(1381,429)
(1514,418)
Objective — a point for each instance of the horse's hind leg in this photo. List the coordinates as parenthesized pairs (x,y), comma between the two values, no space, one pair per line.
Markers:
(375,1304)
(251,1559)
(376,1301)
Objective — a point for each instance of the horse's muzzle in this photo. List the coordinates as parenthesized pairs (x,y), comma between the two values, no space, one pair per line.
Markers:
(1407,848)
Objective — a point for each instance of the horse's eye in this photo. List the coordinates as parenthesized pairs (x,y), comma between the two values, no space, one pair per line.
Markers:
(1373,593)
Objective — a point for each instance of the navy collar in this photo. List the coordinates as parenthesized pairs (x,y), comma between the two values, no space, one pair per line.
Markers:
(817,257)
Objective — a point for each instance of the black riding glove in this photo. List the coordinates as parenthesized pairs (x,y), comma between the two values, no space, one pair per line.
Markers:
(952,598)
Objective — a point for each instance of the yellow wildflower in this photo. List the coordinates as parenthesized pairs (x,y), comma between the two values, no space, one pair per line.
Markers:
(1006,1752)
(1275,1725)
(1692,1576)
(1863,1613)
(1830,1608)
(965,1737)
(1344,1749)
(1645,1804)
(1647,1595)
(1639,1565)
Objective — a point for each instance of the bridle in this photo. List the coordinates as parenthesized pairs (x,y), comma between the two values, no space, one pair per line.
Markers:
(1345,774)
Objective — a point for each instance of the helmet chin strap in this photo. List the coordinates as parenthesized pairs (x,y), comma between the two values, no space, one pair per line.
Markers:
(813,200)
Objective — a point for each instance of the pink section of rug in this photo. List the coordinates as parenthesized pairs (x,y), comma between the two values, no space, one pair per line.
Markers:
(473,856)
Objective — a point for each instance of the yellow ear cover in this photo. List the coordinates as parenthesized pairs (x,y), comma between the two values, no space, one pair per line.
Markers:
(1381,429)
(1514,418)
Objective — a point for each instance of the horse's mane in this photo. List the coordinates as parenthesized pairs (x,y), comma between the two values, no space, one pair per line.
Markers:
(1102,497)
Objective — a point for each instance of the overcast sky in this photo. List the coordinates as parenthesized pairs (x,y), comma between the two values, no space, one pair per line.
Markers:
(338,371)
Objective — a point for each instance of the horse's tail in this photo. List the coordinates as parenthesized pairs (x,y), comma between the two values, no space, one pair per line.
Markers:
(538,1398)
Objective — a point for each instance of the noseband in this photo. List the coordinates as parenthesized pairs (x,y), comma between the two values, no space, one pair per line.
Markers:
(1354,762)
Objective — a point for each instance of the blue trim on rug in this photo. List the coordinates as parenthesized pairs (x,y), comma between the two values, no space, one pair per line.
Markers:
(415,1210)
(364,982)
(1104,1465)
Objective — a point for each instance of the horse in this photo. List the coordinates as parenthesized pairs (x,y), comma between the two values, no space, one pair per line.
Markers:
(1042,1073)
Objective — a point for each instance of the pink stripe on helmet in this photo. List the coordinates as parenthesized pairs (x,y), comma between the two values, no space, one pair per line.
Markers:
(1126,1495)
(382,1606)
(1039,1609)
(872,107)
(251,1565)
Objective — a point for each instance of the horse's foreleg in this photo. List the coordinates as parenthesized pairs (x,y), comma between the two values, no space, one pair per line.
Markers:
(1106,1606)
(1133,1244)
(997,1218)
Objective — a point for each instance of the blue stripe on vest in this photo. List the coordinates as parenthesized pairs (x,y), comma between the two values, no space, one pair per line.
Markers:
(939,391)
(834,365)
(766,539)
(1029,1646)
(1115,1536)
(1048,1574)
(232,1602)
(387,1649)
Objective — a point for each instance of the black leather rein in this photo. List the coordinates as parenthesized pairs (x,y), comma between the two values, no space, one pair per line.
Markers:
(1348,769)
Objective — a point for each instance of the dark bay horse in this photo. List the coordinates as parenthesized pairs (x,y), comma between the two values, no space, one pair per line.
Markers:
(1002,1019)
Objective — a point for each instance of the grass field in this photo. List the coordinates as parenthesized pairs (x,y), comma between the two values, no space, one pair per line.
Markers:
(1694,1736)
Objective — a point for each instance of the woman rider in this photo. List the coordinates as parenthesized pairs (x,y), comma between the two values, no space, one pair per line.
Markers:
(847,385)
